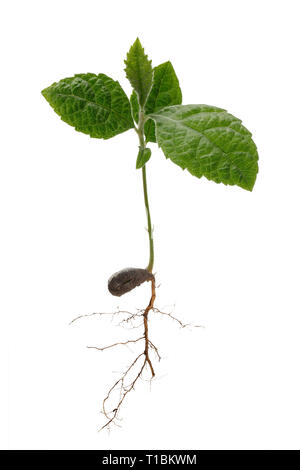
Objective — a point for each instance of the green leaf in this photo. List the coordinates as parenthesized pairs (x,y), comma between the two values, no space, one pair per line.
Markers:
(93,104)
(139,71)
(134,106)
(143,157)
(209,142)
(165,92)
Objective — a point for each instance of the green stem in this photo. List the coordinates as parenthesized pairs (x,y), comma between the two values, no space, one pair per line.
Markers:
(150,231)
(140,131)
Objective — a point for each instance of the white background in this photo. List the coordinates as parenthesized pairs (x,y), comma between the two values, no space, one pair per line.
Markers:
(72,214)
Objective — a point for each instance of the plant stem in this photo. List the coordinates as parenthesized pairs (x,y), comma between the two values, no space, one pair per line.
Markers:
(150,230)
(140,131)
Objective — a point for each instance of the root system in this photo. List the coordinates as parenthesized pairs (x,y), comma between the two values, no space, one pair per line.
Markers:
(142,363)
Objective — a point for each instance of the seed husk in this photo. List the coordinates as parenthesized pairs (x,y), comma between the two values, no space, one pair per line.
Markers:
(127,279)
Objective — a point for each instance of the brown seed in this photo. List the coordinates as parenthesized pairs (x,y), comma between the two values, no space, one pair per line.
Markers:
(127,279)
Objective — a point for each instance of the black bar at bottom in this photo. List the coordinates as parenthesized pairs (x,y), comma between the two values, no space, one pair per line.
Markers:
(95,459)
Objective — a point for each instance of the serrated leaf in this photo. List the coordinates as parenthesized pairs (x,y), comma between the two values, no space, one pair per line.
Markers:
(165,91)
(143,157)
(139,71)
(209,142)
(93,104)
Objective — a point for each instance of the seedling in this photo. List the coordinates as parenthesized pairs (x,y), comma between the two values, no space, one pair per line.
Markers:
(205,140)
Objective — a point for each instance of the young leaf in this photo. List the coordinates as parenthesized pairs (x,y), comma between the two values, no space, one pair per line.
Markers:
(209,142)
(135,106)
(165,91)
(93,104)
(143,157)
(139,71)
